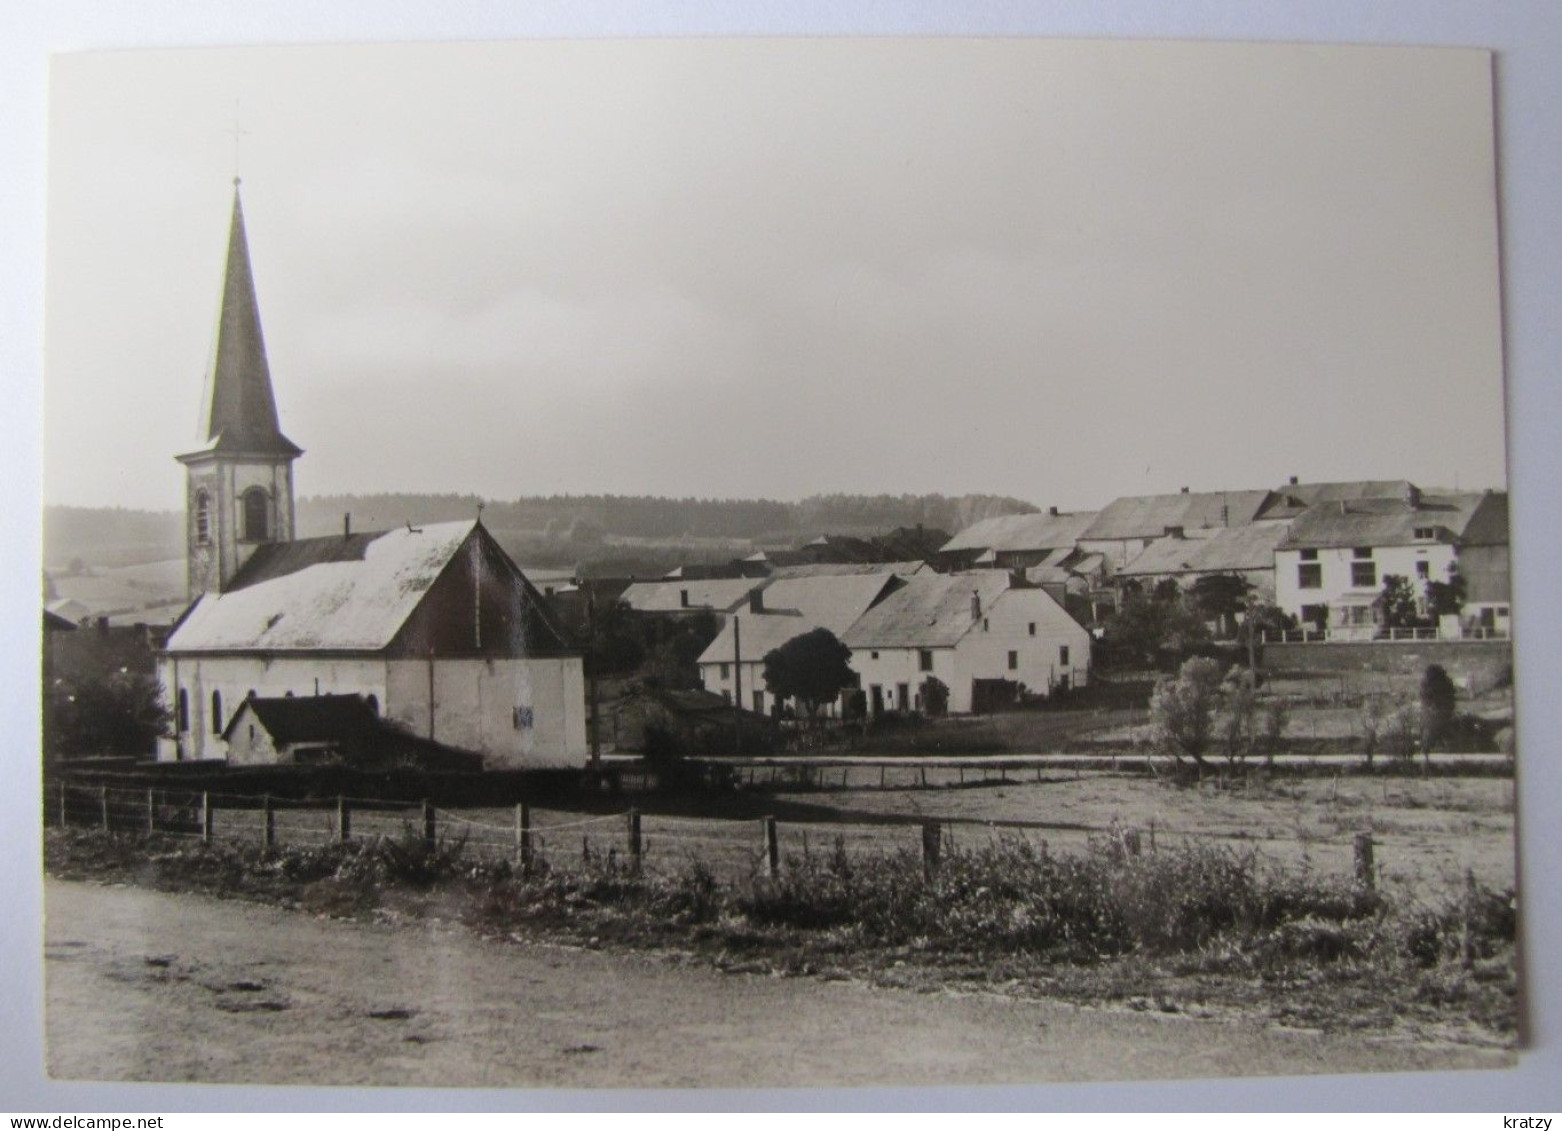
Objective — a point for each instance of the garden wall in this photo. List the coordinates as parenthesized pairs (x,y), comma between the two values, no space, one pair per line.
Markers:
(1469,662)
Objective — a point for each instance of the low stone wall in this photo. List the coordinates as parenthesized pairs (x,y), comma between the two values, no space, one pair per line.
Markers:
(1466,661)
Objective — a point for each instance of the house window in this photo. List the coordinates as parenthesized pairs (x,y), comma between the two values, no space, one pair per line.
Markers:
(1014,660)
(216,712)
(523,718)
(203,518)
(1362,553)
(1426,533)
(256,516)
(184,711)
(1364,575)
(1309,555)
(1423,569)
(924,659)
(1315,615)
(984,624)
(1033,628)
(1309,575)
(875,655)
(759,702)
(1063,655)
(726,671)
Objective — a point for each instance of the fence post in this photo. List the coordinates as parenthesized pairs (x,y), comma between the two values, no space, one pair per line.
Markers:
(1152,837)
(206,817)
(1366,874)
(772,847)
(268,835)
(523,837)
(932,845)
(429,830)
(103,805)
(1131,842)
(344,820)
(64,806)
(634,839)
(1467,942)
(151,810)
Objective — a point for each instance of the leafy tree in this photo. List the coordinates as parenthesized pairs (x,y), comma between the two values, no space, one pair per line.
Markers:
(1238,725)
(1147,630)
(1166,589)
(1446,598)
(121,714)
(935,696)
(1182,711)
(1438,701)
(1396,604)
(1221,596)
(812,669)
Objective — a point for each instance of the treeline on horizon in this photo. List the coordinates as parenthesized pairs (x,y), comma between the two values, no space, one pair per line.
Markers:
(117,535)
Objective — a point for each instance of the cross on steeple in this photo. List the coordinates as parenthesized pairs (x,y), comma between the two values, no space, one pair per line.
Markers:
(238,132)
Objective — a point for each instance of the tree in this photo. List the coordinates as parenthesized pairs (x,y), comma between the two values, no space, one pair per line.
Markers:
(1182,710)
(1220,597)
(1149,630)
(1438,701)
(1238,727)
(1396,604)
(123,713)
(812,669)
(1446,598)
(935,696)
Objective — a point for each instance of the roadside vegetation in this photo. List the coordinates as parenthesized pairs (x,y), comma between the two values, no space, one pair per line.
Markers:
(1199,928)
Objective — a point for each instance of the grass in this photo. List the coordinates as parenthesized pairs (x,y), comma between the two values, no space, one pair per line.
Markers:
(1195,928)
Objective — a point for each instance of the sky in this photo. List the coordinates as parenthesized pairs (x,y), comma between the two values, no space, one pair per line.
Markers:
(1063,271)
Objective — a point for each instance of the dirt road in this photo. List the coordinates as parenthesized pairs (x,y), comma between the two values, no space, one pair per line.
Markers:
(145,985)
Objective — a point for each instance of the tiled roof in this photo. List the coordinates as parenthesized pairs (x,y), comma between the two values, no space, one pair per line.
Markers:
(311,718)
(797,605)
(1211,551)
(719,594)
(1149,516)
(1387,522)
(846,569)
(1017,532)
(333,593)
(1292,499)
(929,611)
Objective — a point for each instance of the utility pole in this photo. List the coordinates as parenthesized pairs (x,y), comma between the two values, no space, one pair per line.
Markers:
(737,676)
(591,679)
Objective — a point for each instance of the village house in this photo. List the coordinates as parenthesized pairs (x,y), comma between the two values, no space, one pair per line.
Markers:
(434,627)
(1015,541)
(1124,527)
(1183,557)
(783,609)
(1330,569)
(986,639)
(689,595)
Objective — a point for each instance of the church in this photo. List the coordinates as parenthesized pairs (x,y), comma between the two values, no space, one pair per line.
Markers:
(432,630)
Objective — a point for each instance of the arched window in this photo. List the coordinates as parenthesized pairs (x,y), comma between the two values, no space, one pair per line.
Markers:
(256,514)
(203,518)
(184,710)
(216,712)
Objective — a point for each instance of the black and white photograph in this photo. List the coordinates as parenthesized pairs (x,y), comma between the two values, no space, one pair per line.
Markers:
(776,563)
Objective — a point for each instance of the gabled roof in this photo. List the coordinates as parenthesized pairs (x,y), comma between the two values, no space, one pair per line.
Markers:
(1149,516)
(335,593)
(311,718)
(239,409)
(718,594)
(929,611)
(847,569)
(1227,550)
(1292,499)
(1020,532)
(797,605)
(1390,522)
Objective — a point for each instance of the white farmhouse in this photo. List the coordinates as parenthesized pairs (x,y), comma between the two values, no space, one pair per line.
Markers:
(979,634)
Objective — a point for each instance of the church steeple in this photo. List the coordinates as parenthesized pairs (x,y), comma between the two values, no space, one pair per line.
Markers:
(239,479)
(239,409)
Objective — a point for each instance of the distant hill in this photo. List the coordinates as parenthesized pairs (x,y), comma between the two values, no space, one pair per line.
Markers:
(603,533)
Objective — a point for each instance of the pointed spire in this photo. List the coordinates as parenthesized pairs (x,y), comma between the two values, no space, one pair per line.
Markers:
(239,410)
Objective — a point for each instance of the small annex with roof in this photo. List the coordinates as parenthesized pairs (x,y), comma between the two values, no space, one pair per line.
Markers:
(1015,541)
(320,730)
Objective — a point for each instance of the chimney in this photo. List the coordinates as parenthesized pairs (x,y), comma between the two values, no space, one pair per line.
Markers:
(1052,511)
(756,600)
(347,524)
(1184,490)
(1294,481)
(1174,532)
(976,605)
(1412,494)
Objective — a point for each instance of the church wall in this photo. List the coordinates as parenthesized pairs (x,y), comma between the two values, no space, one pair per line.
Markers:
(236,676)
(515,712)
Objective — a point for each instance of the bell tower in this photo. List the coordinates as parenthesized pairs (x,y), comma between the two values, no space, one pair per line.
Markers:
(239,480)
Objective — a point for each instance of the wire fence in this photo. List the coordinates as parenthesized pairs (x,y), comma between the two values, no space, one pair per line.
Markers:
(522,835)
